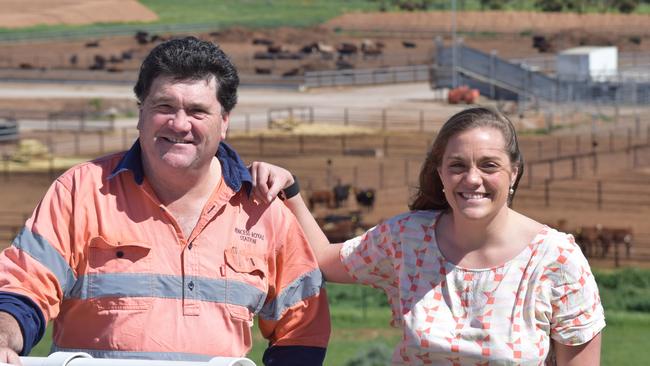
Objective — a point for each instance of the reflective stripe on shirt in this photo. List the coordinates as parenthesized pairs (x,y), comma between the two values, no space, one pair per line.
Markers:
(303,287)
(41,250)
(98,285)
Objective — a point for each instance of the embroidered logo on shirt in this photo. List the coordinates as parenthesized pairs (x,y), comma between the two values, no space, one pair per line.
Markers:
(249,236)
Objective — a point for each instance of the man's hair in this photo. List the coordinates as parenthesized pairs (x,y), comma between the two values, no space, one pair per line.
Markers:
(190,59)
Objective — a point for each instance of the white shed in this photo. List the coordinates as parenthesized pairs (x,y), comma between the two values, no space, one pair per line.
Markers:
(587,63)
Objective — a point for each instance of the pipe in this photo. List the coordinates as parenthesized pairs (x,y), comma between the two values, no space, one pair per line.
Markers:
(84,359)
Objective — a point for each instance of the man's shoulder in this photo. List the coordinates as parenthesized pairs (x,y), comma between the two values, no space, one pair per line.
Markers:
(93,170)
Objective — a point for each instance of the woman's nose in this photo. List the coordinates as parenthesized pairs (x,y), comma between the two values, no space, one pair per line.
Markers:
(473,176)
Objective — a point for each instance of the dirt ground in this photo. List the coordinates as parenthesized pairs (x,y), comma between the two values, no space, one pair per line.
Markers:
(20,13)
(407,38)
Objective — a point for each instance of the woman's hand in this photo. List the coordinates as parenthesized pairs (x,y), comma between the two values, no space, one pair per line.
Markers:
(269,180)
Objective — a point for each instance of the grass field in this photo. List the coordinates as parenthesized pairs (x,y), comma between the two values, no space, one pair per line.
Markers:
(360,320)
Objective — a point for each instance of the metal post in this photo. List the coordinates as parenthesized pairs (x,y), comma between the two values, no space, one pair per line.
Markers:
(574,167)
(383,119)
(385,145)
(406,172)
(421,120)
(454,49)
(547,193)
(599,194)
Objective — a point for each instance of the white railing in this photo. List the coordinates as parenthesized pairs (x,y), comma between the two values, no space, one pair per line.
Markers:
(84,359)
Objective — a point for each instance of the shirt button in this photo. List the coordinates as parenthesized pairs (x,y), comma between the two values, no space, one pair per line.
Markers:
(189,247)
(191,285)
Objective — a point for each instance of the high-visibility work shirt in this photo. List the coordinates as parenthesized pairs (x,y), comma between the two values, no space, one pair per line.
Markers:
(110,264)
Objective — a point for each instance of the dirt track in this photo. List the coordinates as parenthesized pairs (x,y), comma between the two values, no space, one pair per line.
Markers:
(21,13)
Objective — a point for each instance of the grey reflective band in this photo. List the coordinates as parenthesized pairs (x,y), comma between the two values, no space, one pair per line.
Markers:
(94,285)
(304,287)
(40,249)
(170,356)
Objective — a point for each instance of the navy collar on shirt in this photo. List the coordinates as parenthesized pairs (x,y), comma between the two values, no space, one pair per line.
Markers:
(233,169)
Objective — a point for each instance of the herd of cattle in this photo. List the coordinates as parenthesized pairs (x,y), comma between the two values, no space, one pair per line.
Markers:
(598,241)
(594,241)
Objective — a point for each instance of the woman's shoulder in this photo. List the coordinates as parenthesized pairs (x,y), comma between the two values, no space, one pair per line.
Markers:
(561,255)
(419,216)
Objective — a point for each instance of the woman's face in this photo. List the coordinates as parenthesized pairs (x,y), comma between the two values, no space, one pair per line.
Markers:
(477,173)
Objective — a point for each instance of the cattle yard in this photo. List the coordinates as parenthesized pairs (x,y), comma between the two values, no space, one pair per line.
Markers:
(588,174)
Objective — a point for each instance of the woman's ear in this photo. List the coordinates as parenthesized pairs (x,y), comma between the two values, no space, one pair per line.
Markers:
(513,175)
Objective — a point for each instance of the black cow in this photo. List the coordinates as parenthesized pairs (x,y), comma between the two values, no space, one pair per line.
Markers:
(366,198)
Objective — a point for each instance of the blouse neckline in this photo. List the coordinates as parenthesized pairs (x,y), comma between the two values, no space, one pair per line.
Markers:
(523,253)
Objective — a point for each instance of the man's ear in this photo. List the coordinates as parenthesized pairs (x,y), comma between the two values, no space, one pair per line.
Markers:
(225,123)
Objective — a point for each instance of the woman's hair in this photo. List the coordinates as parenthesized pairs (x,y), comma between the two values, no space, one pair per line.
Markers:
(429,195)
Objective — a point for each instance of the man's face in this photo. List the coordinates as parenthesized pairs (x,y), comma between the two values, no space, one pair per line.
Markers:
(181,123)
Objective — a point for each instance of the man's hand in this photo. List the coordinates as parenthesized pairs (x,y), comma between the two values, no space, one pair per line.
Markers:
(11,339)
(269,180)
(8,356)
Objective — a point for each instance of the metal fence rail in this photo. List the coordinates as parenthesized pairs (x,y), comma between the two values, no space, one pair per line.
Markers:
(384,75)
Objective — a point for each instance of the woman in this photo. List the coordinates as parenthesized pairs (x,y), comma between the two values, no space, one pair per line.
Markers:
(469,280)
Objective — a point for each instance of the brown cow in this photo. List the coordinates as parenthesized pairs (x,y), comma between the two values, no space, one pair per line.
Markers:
(318,197)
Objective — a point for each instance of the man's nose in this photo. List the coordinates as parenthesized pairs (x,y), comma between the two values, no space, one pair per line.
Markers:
(180,121)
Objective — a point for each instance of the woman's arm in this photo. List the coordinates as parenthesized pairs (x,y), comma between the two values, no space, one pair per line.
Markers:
(586,354)
(268,181)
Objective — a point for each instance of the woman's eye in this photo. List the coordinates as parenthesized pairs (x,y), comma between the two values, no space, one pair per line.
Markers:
(490,166)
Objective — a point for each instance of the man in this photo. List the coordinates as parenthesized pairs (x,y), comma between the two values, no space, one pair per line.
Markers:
(161,252)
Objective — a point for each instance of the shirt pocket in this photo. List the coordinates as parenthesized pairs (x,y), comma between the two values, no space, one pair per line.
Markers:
(119,274)
(246,283)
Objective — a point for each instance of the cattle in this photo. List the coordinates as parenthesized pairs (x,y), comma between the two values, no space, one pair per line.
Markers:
(408,44)
(262,41)
(292,72)
(262,70)
(114,59)
(321,197)
(596,241)
(92,44)
(338,228)
(142,37)
(341,193)
(588,238)
(74,59)
(309,48)
(347,49)
(614,237)
(127,55)
(366,198)
(100,63)
(542,44)
(371,49)
(263,56)
(326,51)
